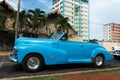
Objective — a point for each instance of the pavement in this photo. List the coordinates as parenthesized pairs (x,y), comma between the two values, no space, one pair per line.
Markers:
(11,71)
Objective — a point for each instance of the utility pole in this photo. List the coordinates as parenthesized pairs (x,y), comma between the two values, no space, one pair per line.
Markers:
(17,21)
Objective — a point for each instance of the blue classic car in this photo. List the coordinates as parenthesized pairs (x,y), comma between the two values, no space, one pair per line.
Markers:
(35,53)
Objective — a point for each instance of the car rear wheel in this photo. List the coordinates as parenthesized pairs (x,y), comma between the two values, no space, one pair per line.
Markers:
(99,61)
(33,63)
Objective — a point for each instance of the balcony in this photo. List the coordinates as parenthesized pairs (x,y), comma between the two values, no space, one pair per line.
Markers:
(116,32)
(116,35)
(115,38)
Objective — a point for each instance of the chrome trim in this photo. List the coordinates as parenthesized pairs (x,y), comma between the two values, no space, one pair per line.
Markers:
(99,60)
(33,63)
(13,57)
(13,60)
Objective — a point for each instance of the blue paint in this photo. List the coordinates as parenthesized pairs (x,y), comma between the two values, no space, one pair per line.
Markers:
(62,51)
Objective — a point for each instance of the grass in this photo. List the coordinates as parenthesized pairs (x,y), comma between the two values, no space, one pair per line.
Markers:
(42,78)
(116,71)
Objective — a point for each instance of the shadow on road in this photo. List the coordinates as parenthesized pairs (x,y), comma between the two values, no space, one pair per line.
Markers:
(10,69)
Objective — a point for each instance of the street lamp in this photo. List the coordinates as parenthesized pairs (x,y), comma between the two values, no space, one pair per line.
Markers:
(17,20)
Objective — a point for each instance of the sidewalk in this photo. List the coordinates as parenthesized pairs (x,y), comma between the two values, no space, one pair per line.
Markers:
(4,54)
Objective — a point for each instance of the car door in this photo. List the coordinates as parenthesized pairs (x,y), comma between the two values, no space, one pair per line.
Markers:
(75,50)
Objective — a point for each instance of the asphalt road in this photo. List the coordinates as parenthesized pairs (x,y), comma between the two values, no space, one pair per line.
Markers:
(9,69)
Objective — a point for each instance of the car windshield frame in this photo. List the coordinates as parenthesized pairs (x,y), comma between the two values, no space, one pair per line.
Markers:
(57,35)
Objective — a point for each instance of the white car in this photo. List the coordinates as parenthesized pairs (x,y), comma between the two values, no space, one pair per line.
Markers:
(116,52)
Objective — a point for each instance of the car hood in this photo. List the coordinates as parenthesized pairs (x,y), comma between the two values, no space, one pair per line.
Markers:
(34,41)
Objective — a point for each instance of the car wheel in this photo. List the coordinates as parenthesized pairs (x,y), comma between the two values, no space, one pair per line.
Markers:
(99,61)
(33,63)
(117,57)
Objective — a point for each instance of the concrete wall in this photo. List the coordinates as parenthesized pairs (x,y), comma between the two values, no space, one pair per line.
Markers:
(109,45)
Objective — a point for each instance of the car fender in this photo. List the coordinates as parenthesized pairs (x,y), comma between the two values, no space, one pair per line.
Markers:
(51,55)
(107,55)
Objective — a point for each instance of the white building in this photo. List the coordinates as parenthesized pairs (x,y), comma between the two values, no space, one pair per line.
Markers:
(112,32)
(78,13)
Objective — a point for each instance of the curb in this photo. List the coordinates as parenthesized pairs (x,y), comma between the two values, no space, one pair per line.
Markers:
(4,55)
(60,74)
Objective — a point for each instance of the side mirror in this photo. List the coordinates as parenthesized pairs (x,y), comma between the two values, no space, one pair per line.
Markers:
(63,38)
(20,35)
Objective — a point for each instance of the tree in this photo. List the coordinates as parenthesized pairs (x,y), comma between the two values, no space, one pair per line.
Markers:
(1,8)
(36,19)
(22,20)
(62,22)
(2,20)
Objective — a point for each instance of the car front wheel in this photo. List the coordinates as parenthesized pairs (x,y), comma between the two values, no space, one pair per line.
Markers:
(33,63)
(99,61)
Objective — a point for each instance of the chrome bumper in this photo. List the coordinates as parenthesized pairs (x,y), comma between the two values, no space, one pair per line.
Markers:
(13,57)
(117,53)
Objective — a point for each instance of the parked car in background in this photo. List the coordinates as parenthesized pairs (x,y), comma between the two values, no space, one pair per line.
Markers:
(116,52)
(35,53)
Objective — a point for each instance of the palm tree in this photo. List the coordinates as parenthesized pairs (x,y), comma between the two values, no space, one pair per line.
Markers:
(36,19)
(2,20)
(62,22)
(22,20)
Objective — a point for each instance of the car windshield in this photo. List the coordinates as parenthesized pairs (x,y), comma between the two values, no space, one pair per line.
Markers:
(57,35)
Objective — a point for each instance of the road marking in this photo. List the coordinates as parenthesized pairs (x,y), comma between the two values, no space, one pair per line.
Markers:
(1,64)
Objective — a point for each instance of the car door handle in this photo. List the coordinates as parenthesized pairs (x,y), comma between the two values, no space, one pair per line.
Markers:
(52,43)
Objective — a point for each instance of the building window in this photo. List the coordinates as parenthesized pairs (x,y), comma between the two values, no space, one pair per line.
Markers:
(86,1)
(77,0)
(61,3)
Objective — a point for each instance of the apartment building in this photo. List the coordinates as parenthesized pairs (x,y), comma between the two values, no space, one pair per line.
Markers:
(112,32)
(78,13)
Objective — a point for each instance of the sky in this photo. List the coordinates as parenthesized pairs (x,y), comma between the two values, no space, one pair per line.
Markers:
(101,12)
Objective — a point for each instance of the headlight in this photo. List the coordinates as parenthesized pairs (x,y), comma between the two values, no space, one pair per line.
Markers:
(14,52)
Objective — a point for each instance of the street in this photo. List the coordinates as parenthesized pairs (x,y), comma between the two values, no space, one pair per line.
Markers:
(9,69)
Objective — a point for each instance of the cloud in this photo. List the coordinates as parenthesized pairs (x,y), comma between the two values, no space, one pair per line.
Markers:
(43,1)
(46,3)
(14,3)
(103,12)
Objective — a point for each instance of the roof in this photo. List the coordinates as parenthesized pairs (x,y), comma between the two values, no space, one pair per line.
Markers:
(7,6)
(53,15)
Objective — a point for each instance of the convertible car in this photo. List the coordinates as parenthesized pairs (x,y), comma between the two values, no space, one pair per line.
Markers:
(35,53)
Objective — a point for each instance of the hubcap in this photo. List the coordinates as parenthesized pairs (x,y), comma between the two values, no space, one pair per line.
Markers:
(33,63)
(99,61)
